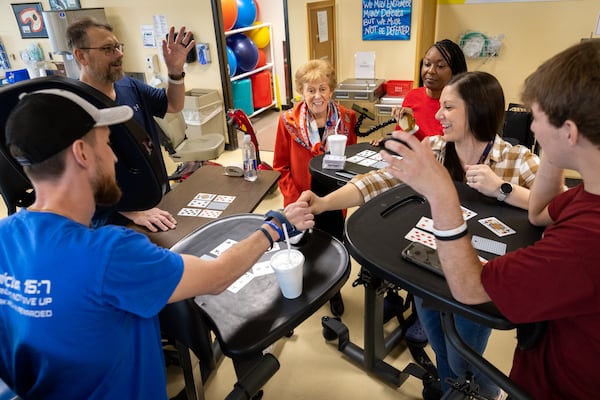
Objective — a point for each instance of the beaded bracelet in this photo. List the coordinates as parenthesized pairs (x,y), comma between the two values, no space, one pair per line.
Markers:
(276,228)
(268,235)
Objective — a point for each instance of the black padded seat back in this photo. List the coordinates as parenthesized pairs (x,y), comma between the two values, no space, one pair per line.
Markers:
(516,130)
(139,171)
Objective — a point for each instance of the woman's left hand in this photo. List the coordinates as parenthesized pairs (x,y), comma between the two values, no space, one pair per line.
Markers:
(483,179)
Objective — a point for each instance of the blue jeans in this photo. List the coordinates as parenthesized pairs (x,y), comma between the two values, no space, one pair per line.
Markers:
(449,363)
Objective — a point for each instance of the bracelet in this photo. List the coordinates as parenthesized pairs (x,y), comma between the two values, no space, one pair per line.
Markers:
(176,81)
(454,237)
(281,218)
(268,235)
(451,234)
(276,228)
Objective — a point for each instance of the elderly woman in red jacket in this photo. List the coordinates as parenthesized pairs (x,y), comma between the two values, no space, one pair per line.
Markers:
(302,134)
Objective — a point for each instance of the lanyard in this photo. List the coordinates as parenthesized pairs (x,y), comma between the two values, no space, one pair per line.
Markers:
(486,151)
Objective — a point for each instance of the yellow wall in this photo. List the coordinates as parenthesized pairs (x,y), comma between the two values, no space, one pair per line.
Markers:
(393,59)
(127,16)
(533,31)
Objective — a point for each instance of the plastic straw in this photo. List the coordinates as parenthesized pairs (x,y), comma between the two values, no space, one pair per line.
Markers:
(287,240)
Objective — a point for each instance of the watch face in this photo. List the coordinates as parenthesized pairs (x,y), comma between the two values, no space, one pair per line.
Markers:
(506,188)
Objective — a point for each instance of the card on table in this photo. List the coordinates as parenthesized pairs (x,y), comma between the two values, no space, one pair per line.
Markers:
(241,282)
(204,196)
(366,153)
(367,162)
(497,226)
(467,214)
(198,203)
(210,213)
(262,268)
(217,205)
(189,212)
(417,235)
(355,159)
(224,198)
(426,224)
(217,251)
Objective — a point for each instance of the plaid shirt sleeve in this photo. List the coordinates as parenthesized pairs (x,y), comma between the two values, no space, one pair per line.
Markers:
(374,182)
(514,164)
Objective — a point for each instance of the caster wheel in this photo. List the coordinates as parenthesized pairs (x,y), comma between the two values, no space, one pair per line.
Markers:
(328,333)
(290,333)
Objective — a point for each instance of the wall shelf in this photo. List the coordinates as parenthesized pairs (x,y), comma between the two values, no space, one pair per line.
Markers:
(269,66)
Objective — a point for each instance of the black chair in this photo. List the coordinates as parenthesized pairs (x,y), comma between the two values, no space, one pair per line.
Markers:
(139,169)
(516,130)
(183,327)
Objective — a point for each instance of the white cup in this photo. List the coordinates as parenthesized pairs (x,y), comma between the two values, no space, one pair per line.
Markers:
(288,266)
(336,144)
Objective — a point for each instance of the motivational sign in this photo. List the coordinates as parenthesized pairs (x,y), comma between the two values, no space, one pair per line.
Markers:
(386,19)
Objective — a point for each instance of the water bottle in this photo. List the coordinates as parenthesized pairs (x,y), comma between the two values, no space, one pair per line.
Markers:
(249,154)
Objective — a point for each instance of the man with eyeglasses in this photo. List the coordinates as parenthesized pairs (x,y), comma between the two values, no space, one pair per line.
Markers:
(99,55)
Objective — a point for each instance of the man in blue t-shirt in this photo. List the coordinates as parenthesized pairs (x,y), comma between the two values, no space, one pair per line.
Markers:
(79,306)
(99,55)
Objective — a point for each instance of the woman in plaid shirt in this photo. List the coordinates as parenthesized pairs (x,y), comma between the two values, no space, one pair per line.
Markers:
(471,114)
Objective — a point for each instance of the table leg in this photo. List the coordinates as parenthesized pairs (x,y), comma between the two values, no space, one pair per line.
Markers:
(376,345)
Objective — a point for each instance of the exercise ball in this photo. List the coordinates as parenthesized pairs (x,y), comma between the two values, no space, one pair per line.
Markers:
(232,61)
(230,13)
(245,51)
(257,9)
(246,13)
(262,58)
(260,36)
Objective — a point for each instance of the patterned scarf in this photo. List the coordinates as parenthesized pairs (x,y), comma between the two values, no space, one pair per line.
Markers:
(302,126)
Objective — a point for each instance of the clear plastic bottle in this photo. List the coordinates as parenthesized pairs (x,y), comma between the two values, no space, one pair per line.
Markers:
(249,155)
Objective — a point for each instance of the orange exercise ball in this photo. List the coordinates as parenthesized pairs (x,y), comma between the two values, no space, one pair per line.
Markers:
(257,9)
(260,36)
(262,58)
(230,13)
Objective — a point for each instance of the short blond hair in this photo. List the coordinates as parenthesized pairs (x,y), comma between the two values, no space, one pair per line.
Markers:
(313,71)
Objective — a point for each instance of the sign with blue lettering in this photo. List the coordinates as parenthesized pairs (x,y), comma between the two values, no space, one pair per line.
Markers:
(386,19)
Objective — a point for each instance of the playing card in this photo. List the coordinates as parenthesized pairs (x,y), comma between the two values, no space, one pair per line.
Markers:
(240,282)
(380,164)
(426,224)
(204,196)
(217,251)
(491,246)
(367,162)
(189,212)
(224,198)
(467,214)
(366,153)
(217,205)
(376,157)
(355,159)
(209,213)
(497,226)
(198,203)
(417,235)
(262,268)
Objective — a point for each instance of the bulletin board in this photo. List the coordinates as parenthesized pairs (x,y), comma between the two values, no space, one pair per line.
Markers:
(386,19)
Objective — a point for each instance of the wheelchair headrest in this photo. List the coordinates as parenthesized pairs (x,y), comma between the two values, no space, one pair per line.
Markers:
(139,171)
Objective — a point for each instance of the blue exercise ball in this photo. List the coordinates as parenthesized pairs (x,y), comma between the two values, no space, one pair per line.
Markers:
(246,14)
(232,62)
(246,52)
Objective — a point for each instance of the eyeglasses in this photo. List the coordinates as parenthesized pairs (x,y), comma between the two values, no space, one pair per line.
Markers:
(109,50)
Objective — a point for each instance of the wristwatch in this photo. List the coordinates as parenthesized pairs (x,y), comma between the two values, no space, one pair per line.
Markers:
(505,189)
(177,77)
